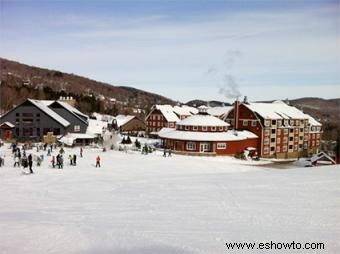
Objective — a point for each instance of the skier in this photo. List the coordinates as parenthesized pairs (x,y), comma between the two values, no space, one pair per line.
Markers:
(71,159)
(81,152)
(98,161)
(164,152)
(16,161)
(48,152)
(61,161)
(74,159)
(30,163)
(53,161)
(169,153)
(24,161)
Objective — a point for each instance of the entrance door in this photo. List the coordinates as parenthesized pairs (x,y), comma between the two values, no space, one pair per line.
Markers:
(204,147)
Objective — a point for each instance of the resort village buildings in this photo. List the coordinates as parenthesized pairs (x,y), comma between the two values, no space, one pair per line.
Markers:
(269,130)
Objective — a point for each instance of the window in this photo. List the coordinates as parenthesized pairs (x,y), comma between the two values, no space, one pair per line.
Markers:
(273,131)
(290,147)
(285,122)
(253,123)
(266,141)
(285,131)
(27,132)
(273,122)
(76,128)
(285,140)
(186,127)
(245,122)
(204,128)
(266,132)
(272,148)
(17,120)
(295,147)
(221,128)
(38,132)
(27,114)
(191,146)
(38,114)
(221,145)
(180,127)
(272,140)
(291,138)
(194,128)
(266,123)
(27,121)
(284,149)
(278,140)
(291,122)
(291,130)
(171,125)
(266,150)
(297,122)
(17,114)
(278,149)
(279,122)
(278,131)
(301,129)
(213,128)
(301,138)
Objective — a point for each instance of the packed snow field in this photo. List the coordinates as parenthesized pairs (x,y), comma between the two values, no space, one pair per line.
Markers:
(138,203)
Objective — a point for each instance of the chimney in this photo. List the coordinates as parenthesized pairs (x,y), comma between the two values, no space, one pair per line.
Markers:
(236,113)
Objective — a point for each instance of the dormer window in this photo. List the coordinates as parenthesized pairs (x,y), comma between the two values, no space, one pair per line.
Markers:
(194,128)
(213,128)
(204,128)
(186,127)
(221,128)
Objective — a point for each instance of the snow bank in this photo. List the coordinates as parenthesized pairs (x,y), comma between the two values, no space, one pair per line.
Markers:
(150,204)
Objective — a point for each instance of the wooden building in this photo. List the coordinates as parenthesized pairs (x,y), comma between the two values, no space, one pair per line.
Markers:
(203,134)
(35,118)
(166,116)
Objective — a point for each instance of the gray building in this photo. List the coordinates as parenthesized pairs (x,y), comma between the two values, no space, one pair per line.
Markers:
(34,118)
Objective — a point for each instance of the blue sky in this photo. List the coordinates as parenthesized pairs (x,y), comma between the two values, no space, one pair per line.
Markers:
(183,49)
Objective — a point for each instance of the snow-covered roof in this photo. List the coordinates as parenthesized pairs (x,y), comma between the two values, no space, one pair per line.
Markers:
(71,137)
(167,112)
(103,117)
(8,124)
(219,111)
(312,121)
(185,110)
(202,120)
(72,109)
(276,110)
(43,107)
(47,102)
(96,126)
(171,133)
(123,119)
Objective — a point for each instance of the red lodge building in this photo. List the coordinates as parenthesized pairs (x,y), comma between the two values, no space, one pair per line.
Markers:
(284,131)
(203,134)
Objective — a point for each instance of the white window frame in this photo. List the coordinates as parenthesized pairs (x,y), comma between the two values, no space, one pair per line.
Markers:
(204,128)
(221,146)
(191,146)
(194,128)
(254,123)
(76,128)
(213,128)
(245,122)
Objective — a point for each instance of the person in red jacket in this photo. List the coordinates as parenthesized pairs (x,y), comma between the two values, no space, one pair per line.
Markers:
(98,161)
